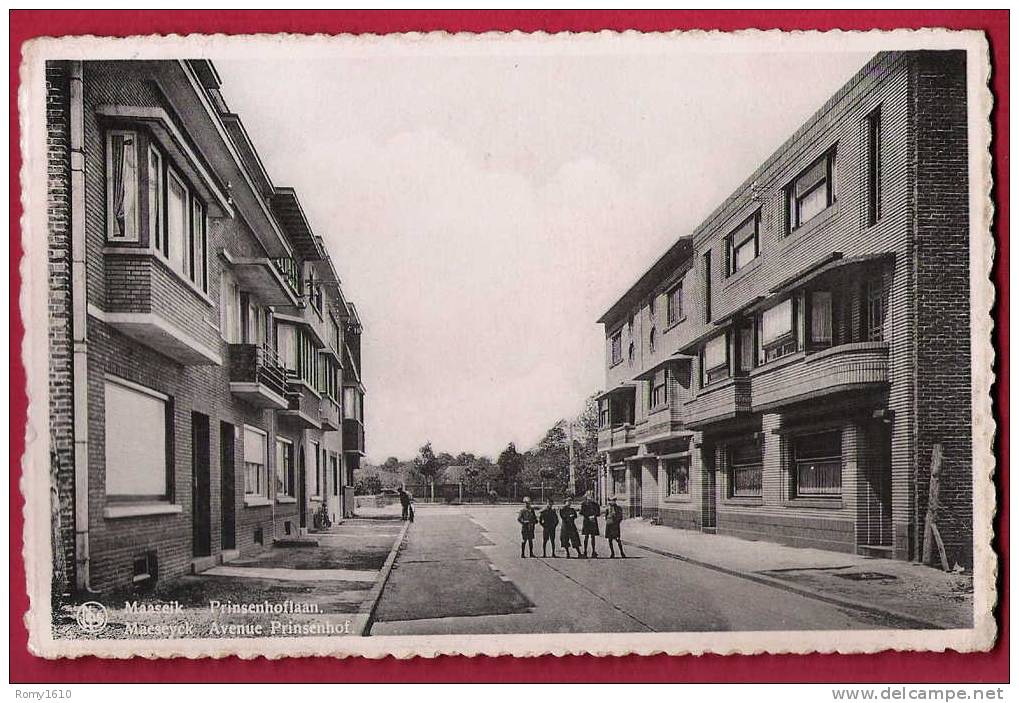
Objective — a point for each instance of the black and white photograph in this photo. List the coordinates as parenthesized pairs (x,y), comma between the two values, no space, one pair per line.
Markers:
(508,344)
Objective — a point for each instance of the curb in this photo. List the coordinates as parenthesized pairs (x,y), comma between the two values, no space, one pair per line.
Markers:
(912,620)
(367,609)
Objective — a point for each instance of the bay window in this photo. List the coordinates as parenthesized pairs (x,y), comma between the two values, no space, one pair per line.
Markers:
(874,309)
(674,304)
(122,186)
(715,359)
(616,348)
(659,394)
(138,431)
(778,330)
(156,187)
(821,333)
(256,477)
(817,463)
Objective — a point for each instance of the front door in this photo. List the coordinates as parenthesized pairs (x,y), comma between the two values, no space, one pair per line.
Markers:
(201,499)
(636,489)
(228,487)
(709,495)
(875,518)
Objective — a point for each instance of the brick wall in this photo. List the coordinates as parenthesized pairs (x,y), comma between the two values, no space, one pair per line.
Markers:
(943,380)
(61,380)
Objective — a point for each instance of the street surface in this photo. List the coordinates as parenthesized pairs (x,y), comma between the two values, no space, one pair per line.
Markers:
(460,572)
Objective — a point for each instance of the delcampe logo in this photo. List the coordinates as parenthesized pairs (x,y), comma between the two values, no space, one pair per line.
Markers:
(92,617)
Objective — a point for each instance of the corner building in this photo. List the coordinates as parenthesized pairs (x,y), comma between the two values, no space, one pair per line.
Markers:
(785,371)
(200,338)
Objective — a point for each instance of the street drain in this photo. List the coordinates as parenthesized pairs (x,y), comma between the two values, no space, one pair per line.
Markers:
(868,576)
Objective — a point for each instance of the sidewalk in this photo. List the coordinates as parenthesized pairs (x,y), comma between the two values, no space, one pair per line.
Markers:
(928,595)
(327,585)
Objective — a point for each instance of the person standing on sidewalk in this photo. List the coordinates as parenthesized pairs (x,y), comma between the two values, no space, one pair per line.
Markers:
(613,520)
(527,519)
(406,512)
(549,521)
(590,510)
(568,535)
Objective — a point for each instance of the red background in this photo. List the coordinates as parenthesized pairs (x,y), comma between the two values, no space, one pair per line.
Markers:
(886,667)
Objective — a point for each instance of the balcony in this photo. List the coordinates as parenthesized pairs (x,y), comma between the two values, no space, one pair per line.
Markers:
(353,436)
(266,278)
(722,400)
(257,377)
(858,366)
(156,306)
(329,413)
(303,405)
(658,427)
(618,437)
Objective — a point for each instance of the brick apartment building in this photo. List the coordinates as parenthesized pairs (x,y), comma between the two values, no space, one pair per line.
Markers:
(205,388)
(784,371)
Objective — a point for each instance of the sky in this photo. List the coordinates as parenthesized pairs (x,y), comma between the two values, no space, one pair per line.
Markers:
(483,211)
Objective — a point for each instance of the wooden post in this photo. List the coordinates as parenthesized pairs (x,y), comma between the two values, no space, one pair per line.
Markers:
(931,533)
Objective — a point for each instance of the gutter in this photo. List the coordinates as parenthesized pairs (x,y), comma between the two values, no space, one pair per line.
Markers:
(79,332)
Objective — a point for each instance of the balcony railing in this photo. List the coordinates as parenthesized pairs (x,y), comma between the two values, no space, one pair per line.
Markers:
(303,404)
(615,437)
(353,435)
(721,400)
(291,273)
(857,366)
(257,376)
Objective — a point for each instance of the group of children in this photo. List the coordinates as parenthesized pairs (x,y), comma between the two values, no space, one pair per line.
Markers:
(549,518)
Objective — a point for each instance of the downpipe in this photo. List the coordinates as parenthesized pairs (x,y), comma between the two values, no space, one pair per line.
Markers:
(79,332)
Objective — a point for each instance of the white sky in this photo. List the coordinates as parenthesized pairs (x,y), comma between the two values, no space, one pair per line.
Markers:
(484,211)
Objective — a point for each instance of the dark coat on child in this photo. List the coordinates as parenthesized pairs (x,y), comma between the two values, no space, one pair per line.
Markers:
(613,519)
(527,519)
(568,536)
(590,510)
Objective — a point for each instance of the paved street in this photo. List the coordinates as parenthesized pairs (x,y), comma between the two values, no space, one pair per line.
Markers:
(460,571)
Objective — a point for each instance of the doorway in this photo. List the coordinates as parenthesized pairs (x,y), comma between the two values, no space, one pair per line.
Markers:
(302,488)
(709,493)
(201,499)
(875,505)
(228,494)
(636,488)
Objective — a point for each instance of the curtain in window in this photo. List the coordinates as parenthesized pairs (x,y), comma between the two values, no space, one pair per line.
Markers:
(777,322)
(123,169)
(820,317)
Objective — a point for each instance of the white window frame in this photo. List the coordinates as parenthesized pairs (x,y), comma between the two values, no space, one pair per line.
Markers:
(289,480)
(263,471)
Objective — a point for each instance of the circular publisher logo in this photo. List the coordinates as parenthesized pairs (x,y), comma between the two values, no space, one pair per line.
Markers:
(92,617)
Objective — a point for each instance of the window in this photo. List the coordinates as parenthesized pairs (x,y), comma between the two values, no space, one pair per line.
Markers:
(677,476)
(177,222)
(632,353)
(286,346)
(284,467)
(315,448)
(603,414)
(674,304)
(715,359)
(778,337)
(659,393)
(122,186)
(742,246)
(256,477)
(821,318)
(652,340)
(156,223)
(874,167)
(745,467)
(817,464)
(335,464)
(137,440)
(229,308)
(812,191)
(197,250)
(619,481)
(329,378)
(707,286)
(352,404)
(746,347)
(616,348)
(874,310)
(651,308)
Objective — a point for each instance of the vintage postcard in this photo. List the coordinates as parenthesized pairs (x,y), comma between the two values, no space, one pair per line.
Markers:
(508,344)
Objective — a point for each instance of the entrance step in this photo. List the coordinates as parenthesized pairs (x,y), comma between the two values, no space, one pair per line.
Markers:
(200,564)
(874,550)
(229,555)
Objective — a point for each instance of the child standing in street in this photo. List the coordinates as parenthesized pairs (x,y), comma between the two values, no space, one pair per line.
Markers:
(549,521)
(613,520)
(527,519)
